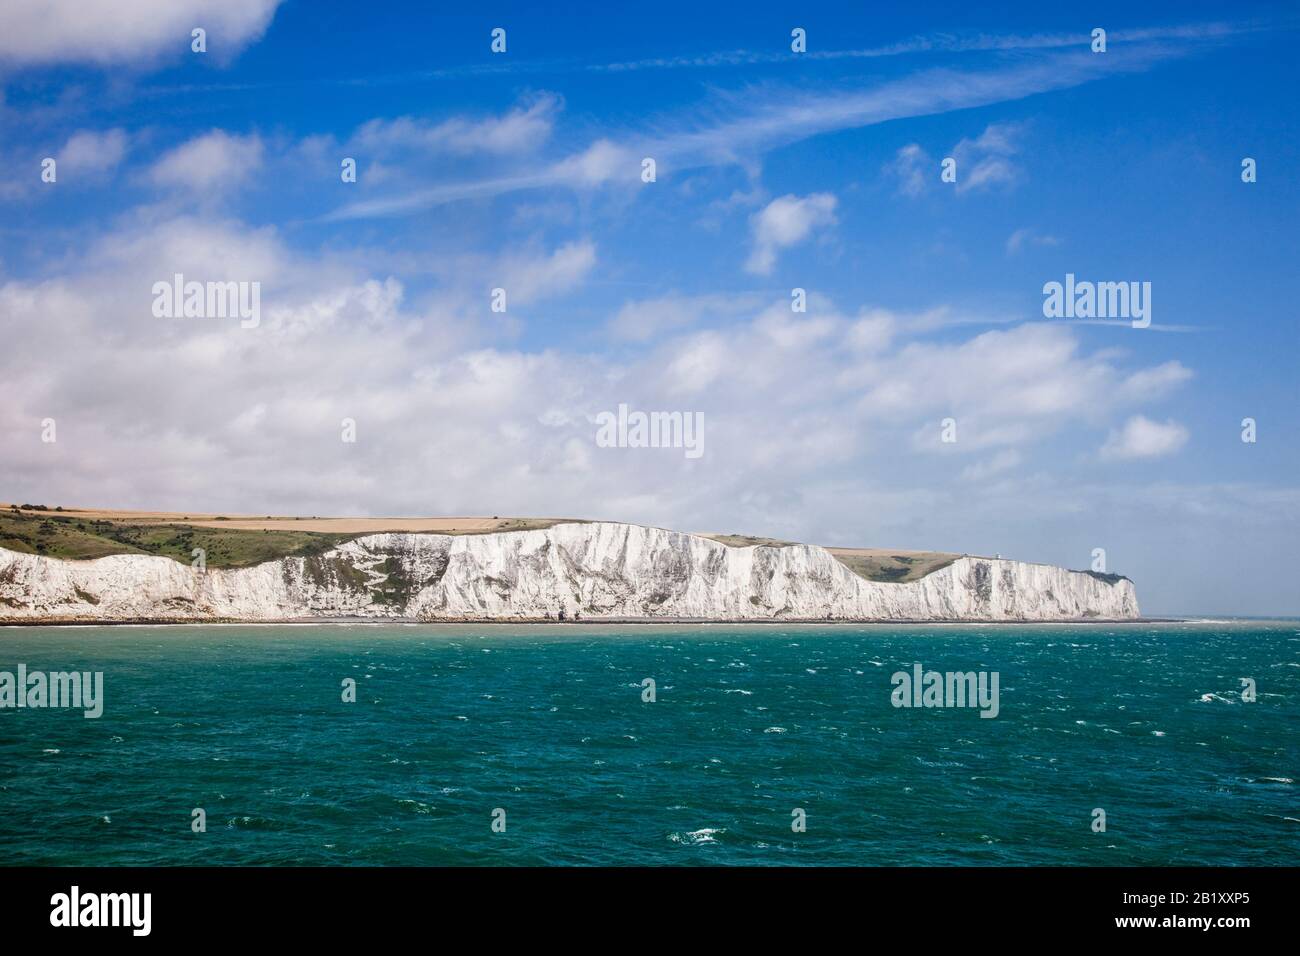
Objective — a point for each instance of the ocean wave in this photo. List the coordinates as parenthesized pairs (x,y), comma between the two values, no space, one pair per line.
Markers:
(696,837)
(938,763)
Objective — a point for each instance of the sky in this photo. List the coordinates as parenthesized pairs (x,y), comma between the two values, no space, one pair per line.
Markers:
(922,400)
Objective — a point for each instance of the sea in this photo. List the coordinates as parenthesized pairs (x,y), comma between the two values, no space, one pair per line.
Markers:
(588,744)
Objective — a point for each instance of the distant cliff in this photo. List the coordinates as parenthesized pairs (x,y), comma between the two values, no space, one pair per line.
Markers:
(580,570)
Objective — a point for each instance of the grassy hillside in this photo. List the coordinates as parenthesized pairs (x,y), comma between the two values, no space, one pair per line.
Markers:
(878,564)
(874,564)
(749,541)
(230,542)
(241,541)
(56,535)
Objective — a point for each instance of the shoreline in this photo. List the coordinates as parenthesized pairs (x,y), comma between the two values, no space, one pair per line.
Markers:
(596,622)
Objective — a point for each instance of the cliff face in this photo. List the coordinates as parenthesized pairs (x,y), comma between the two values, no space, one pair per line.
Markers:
(596,569)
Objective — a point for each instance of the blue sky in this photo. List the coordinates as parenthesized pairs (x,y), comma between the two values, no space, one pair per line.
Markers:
(775,170)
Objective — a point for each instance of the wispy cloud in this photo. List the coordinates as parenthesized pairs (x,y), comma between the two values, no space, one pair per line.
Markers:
(744,124)
(521,129)
(986,160)
(980,163)
(944,43)
(912,165)
(529,277)
(935,44)
(1028,236)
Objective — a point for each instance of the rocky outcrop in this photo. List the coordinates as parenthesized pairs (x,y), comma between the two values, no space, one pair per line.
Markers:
(588,570)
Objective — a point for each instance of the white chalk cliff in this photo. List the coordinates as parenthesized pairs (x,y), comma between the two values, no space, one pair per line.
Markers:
(595,570)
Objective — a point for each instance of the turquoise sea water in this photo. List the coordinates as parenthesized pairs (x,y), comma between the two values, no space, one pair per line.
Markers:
(547,722)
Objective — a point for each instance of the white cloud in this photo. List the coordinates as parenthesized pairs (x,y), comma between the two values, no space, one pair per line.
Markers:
(1005,387)
(1142,438)
(89,154)
(599,163)
(210,163)
(77,31)
(785,222)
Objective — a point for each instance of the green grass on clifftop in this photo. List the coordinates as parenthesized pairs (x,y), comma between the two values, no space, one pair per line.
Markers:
(55,536)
